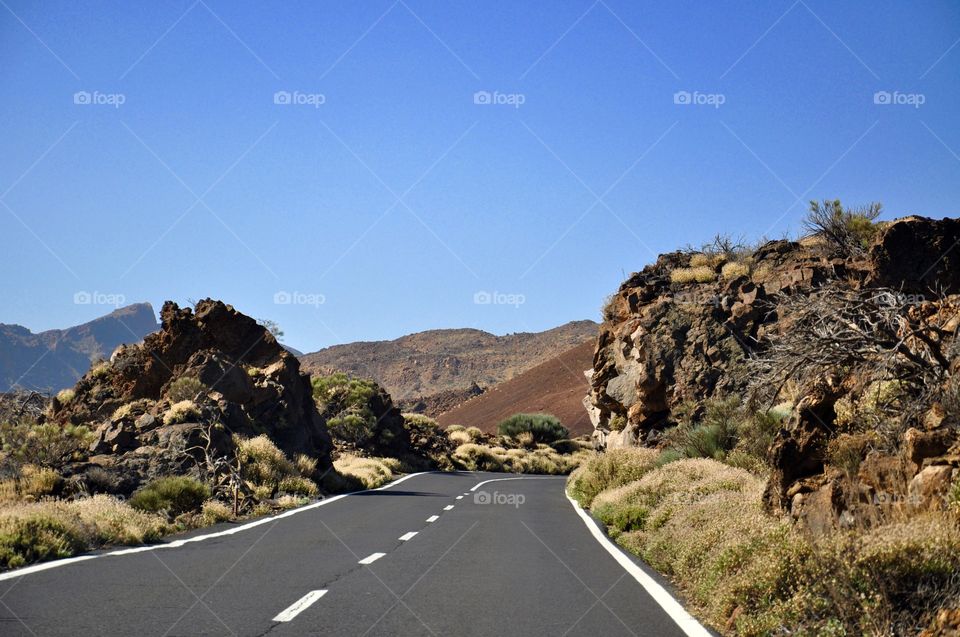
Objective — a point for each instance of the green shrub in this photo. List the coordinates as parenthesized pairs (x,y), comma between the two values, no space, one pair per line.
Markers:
(849,230)
(545,428)
(345,401)
(185,388)
(55,528)
(36,538)
(46,445)
(617,422)
(172,494)
(713,437)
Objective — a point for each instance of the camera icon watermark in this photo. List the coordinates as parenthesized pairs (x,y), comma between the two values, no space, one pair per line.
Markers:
(297,98)
(298,298)
(483,297)
(509,499)
(696,98)
(896,98)
(83,297)
(496,98)
(96,98)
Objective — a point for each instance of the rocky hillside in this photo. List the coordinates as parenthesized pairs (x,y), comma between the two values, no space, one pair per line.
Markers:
(55,359)
(854,347)
(427,363)
(171,405)
(555,386)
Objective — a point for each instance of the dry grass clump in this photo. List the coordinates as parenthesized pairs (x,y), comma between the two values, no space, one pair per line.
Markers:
(181,412)
(701,274)
(702,259)
(459,436)
(32,483)
(269,472)
(214,511)
(64,396)
(473,457)
(749,573)
(33,532)
(100,370)
(734,270)
(611,469)
(372,472)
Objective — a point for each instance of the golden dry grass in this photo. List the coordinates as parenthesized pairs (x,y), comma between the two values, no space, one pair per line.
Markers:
(746,572)
(32,532)
(701,274)
(372,472)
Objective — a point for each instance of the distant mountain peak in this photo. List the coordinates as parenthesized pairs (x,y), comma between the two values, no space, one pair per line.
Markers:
(54,359)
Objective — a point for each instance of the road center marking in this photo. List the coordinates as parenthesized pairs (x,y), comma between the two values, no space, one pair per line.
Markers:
(433,518)
(408,536)
(370,559)
(299,606)
(448,507)
(459,497)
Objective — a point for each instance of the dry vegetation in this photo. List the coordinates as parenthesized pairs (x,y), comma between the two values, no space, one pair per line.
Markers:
(702,523)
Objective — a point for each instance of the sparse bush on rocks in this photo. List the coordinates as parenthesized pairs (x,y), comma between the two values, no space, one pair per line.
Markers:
(173,495)
(543,428)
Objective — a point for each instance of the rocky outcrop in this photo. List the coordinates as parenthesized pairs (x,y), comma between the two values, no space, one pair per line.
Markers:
(206,374)
(668,343)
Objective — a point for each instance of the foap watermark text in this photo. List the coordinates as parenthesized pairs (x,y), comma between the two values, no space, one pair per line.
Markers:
(508,499)
(298,298)
(498,298)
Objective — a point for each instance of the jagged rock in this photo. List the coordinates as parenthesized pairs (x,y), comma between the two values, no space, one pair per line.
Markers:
(251,385)
(665,347)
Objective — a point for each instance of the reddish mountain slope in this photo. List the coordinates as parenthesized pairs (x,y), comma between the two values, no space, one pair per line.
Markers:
(556,386)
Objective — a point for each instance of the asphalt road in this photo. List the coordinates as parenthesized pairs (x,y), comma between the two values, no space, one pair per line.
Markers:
(519,560)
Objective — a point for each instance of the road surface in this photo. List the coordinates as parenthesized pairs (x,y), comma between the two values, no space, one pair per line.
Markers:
(425,556)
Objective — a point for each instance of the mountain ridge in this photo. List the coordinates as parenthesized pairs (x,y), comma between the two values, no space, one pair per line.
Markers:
(55,359)
(432,361)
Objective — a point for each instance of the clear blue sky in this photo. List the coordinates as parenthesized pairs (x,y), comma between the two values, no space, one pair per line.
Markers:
(398,199)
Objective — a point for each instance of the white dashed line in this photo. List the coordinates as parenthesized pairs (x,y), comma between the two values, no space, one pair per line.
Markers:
(299,606)
(459,497)
(448,507)
(407,536)
(370,559)
(433,518)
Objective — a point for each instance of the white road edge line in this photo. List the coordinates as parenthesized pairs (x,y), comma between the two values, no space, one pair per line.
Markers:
(370,559)
(433,518)
(660,595)
(408,536)
(36,568)
(299,606)
(480,484)
(448,507)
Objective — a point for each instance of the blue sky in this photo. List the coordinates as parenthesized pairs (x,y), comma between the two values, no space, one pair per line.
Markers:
(386,199)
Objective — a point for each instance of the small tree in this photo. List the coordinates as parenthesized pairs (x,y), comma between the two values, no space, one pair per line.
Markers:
(850,230)
(273,327)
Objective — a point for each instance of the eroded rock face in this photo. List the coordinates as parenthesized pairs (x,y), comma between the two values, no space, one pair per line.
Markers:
(250,386)
(665,347)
